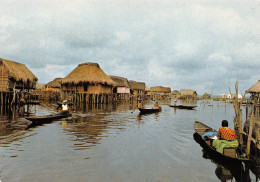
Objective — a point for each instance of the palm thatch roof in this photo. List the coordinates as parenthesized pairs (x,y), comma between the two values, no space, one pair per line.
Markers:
(90,73)
(255,88)
(137,85)
(18,71)
(56,83)
(188,92)
(176,92)
(39,86)
(161,89)
(121,82)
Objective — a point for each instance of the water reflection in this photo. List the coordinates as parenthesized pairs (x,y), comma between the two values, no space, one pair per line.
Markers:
(226,172)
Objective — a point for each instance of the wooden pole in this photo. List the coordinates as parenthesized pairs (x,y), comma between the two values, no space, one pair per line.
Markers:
(250,132)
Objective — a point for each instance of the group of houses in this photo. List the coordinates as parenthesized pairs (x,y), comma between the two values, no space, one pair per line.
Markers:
(87,83)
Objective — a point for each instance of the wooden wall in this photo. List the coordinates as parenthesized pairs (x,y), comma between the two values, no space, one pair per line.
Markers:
(3,78)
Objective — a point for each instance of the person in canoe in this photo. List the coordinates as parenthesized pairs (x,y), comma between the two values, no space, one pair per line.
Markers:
(65,108)
(226,138)
(175,102)
(140,104)
(156,106)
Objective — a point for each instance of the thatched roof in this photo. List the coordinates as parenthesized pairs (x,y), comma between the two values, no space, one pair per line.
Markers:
(188,92)
(255,88)
(88,73)
(176,92)
(18,71)
(121,82)
(161,89)
(39,86)
(56,83)
(137,85)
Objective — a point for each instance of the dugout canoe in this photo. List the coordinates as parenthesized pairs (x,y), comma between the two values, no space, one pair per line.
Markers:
(149,110)
(182,106)
(39,120)
(201,129)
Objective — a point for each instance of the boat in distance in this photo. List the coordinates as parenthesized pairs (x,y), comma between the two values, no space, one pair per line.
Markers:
(183,106)
(201,129)
(149,110)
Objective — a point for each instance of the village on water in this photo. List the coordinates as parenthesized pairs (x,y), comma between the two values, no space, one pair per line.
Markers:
(88,87)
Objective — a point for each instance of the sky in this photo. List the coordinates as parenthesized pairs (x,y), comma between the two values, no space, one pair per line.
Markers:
(204,45)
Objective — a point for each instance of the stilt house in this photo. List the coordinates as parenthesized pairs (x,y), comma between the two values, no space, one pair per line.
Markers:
(254,90)
(176,93)
(137,88)
(88,78)
(122,88)
(159,92)
(55,84)
(188,94)
(15,75)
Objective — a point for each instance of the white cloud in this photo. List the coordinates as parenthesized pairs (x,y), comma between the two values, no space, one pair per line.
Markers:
(182,44)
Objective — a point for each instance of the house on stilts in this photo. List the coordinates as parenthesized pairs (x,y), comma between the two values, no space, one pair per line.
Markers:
(88,84)
(16,81)
(137,89)
(122,88)
(159,92)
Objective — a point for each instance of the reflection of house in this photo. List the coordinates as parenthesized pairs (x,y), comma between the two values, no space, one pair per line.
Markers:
(122,87)
(137,88)
(160,92)
(188,93)
(88,78)
(15,75)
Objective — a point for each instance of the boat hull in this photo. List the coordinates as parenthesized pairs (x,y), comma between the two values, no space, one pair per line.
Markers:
(201,129)
(182,106)
(39,120)
(149,111)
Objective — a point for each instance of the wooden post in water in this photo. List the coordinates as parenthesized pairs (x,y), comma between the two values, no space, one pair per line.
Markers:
(250,132)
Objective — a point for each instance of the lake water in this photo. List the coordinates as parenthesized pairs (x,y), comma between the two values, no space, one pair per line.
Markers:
(114,143)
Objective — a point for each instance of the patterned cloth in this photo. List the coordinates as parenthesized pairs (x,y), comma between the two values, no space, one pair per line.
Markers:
(225,133)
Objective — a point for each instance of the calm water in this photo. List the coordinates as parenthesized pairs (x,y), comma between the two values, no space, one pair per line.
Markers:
(114,143)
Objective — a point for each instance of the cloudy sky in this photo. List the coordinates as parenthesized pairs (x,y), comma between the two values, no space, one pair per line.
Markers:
(204,45)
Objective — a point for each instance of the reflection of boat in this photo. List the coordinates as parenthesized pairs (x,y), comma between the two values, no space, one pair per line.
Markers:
(39,120)
(201,129)
(149,110)
(226,172)
(183,106)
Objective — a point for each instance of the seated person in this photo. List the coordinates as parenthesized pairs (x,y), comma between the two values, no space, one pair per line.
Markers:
(65,108)
(226,138)
(225,133)
(156,106)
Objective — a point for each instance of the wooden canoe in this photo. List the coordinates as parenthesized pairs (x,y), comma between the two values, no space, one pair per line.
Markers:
(182,106)
(39,120)
(201,129)
(149,110)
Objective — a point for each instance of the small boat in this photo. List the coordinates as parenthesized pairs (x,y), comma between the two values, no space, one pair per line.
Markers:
(39,120)
(183,106)
(149,110)
(201,129)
